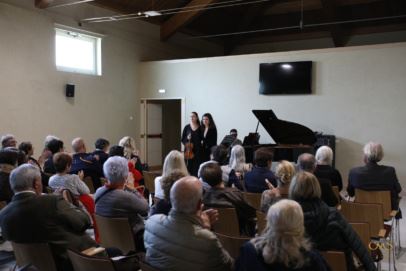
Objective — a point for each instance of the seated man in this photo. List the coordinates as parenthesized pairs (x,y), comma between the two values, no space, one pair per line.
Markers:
(307,162)
(87,162)
(183,240)
(113,201)
(8,141)
(102,147)
(227,197)
(373,176)
(255,180)
(35,218)
(231,140)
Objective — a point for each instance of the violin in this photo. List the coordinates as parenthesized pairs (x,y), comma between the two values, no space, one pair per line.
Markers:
(189,151)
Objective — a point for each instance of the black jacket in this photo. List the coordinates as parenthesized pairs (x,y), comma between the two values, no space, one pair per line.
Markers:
(328,230)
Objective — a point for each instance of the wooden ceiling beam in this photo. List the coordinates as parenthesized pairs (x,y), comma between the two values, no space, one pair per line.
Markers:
(179,20)
(337,33)
(42,3)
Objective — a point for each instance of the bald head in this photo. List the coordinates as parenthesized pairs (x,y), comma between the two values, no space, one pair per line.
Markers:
(186,195)
(306,162)
(78,145)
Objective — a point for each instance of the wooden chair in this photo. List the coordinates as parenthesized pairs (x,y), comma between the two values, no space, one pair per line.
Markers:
(89,182)
(380,197)
(149,180)
(365,213)
(253,199)
(261,222)
(232,244)
(336,260)
(144,266)
(82,261)
(37,254)
(363,231)
(227,223)
(115,232)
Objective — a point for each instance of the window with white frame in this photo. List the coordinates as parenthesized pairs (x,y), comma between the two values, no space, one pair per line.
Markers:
(77,52)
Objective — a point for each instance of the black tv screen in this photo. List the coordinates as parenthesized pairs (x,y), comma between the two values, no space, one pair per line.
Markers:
(285,78)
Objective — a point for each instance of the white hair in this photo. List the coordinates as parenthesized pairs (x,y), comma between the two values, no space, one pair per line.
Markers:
(174,161)
(116,169)
(237,158)
(48,139)
(324,155)
(77,144)
(373,151)
(23,177)
(283,238)
(128,143)
(185,195)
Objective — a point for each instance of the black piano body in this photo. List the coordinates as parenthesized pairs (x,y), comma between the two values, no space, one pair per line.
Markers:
(292,139)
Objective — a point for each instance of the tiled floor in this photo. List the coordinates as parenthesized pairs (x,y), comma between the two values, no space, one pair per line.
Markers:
(400,263)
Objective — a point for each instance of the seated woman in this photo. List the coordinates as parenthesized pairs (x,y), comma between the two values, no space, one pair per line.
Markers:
(113,201)
(8,161)
(237,167)
(324,157)
(325,226)
(163,206)
(173,161)
(255,180)
(227,197)
(284,174)
(54,146)
(282,246)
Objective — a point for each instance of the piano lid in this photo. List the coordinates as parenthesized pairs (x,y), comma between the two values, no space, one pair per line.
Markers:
(284,132)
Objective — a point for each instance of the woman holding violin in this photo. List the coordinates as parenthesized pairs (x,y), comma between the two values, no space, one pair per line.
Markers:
(192,141)
(209,135)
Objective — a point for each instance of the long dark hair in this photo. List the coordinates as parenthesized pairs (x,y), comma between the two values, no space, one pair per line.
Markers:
(197,117)
(212,125)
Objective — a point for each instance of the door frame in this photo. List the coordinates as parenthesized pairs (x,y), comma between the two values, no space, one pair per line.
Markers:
(144,125)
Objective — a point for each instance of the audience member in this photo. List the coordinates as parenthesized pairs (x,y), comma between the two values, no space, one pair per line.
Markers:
(54,146)
(218,155)
(86,162)
(113,201)
(173,161)
(373,176)
(284,174)
(131,152)
(163,206)
(8,141)
(8,161)
(33,218)
(307,162)
(209,135)
(324,169)
(102,147)
(219,196)
(325,226)
(236,168)
(183,240)
(255,180)
(282,246)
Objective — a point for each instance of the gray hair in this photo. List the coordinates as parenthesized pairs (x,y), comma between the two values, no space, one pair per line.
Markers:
(48,139)
(373,152)
(174,161)
(237,158)
(304,186)
(116,169)
(306,162)
(23,177)
(77,144)
(186,194)
(283,238)
(5,139)
(324,155)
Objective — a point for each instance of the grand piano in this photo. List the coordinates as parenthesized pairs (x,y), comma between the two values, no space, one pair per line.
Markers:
(292,139)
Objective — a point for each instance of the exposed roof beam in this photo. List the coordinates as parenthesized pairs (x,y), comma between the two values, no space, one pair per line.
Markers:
(337,32)
(42,3)
(179,20)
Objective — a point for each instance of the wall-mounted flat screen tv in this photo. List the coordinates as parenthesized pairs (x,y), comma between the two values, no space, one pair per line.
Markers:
(285,78)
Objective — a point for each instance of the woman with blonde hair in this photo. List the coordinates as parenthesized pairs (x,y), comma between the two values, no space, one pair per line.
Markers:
(173,161)
(134,162)
(284,174)
(325,226)
(282,245)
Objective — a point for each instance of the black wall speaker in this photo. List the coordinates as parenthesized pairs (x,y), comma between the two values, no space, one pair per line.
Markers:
(70,90)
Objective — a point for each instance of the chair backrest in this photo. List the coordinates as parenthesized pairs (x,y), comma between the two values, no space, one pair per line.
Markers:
(253,199)
(227,223)
(37,254)
(381,197)
(232,244)
(261,222)
(89,263)
(149,180)
(336,260)
(366,213)
(115,232)
(146,267)
(336,192)
(362,229)
(89,182)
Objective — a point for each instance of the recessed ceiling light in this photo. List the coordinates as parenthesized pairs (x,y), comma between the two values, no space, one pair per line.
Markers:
(152,13)
(162,90)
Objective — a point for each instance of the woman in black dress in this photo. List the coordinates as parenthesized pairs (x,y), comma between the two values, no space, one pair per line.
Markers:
(192,141)
(209,135)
